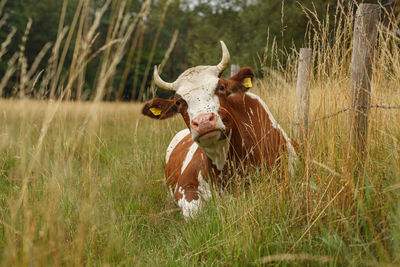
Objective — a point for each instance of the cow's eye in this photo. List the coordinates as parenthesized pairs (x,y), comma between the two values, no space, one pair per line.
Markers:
(180,104)
(222,88)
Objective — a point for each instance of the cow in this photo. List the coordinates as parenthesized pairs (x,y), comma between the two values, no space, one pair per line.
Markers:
(227,127)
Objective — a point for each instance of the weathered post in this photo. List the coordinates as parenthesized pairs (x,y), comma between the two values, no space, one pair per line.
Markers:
(302,110)
(303,94)
(234,69)
(364,40)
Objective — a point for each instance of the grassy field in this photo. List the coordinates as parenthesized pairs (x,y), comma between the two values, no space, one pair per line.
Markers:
(82,183)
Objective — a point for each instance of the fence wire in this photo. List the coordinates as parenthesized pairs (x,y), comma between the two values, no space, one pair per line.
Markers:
(382,6)
(343,111)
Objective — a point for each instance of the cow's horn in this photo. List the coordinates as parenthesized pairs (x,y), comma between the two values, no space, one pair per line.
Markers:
(226,58)
(160,83)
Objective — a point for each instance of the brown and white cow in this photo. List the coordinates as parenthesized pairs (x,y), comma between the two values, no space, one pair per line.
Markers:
(227,127)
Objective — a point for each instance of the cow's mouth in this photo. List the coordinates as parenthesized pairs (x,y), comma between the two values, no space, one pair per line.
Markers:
(215,134)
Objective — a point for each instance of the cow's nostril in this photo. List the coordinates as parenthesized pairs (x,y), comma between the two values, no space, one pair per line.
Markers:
(212,117)
(204,122)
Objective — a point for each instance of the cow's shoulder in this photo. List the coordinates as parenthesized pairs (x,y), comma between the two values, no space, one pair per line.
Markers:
(187,172)
(184,158)
(180,141)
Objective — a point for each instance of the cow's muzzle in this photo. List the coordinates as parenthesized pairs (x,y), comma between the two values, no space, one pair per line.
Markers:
(205,125)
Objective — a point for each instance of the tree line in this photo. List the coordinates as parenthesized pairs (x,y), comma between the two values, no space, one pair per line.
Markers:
(183,33)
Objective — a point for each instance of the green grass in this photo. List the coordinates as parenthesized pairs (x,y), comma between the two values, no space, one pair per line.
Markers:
(94,194)
(82,183)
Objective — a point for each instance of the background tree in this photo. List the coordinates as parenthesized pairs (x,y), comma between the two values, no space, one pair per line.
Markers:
(245,25)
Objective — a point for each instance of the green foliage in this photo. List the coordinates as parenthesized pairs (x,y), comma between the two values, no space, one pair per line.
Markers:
(249,28)
(244,27)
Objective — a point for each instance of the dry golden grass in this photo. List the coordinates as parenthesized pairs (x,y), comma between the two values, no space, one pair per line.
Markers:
(81,183)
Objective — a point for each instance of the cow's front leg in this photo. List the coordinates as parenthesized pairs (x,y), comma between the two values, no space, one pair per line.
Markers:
(191,193)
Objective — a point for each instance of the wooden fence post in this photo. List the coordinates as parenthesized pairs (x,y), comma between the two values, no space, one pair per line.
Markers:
(364,40)
(303,94)
(234,69)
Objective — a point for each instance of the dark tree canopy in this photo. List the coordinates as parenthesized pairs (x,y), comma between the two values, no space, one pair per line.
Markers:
(244,25)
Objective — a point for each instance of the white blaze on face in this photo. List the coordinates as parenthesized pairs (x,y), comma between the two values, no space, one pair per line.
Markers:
(197,87)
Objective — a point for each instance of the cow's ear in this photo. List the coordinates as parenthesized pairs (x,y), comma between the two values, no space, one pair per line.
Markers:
(160,109)
(245,77)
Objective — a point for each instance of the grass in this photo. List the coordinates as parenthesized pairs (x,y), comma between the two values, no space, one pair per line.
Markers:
(82,183)
(94,195)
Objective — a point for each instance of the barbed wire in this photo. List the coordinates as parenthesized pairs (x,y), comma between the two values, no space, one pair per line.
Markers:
(344,110)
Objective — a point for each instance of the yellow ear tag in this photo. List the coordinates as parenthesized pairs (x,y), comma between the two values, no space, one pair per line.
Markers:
(247,83)
(156,111)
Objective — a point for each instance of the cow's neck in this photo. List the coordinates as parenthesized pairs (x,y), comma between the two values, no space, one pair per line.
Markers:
(246,142)
(218,152)
(236,145)
(251,122)
(256,135)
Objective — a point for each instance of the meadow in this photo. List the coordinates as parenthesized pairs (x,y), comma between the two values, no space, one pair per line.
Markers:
(81,183)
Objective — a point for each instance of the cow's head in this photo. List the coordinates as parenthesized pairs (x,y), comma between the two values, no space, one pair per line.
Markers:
(201,96)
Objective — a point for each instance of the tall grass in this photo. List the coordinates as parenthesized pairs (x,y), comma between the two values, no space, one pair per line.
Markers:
(82,183)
